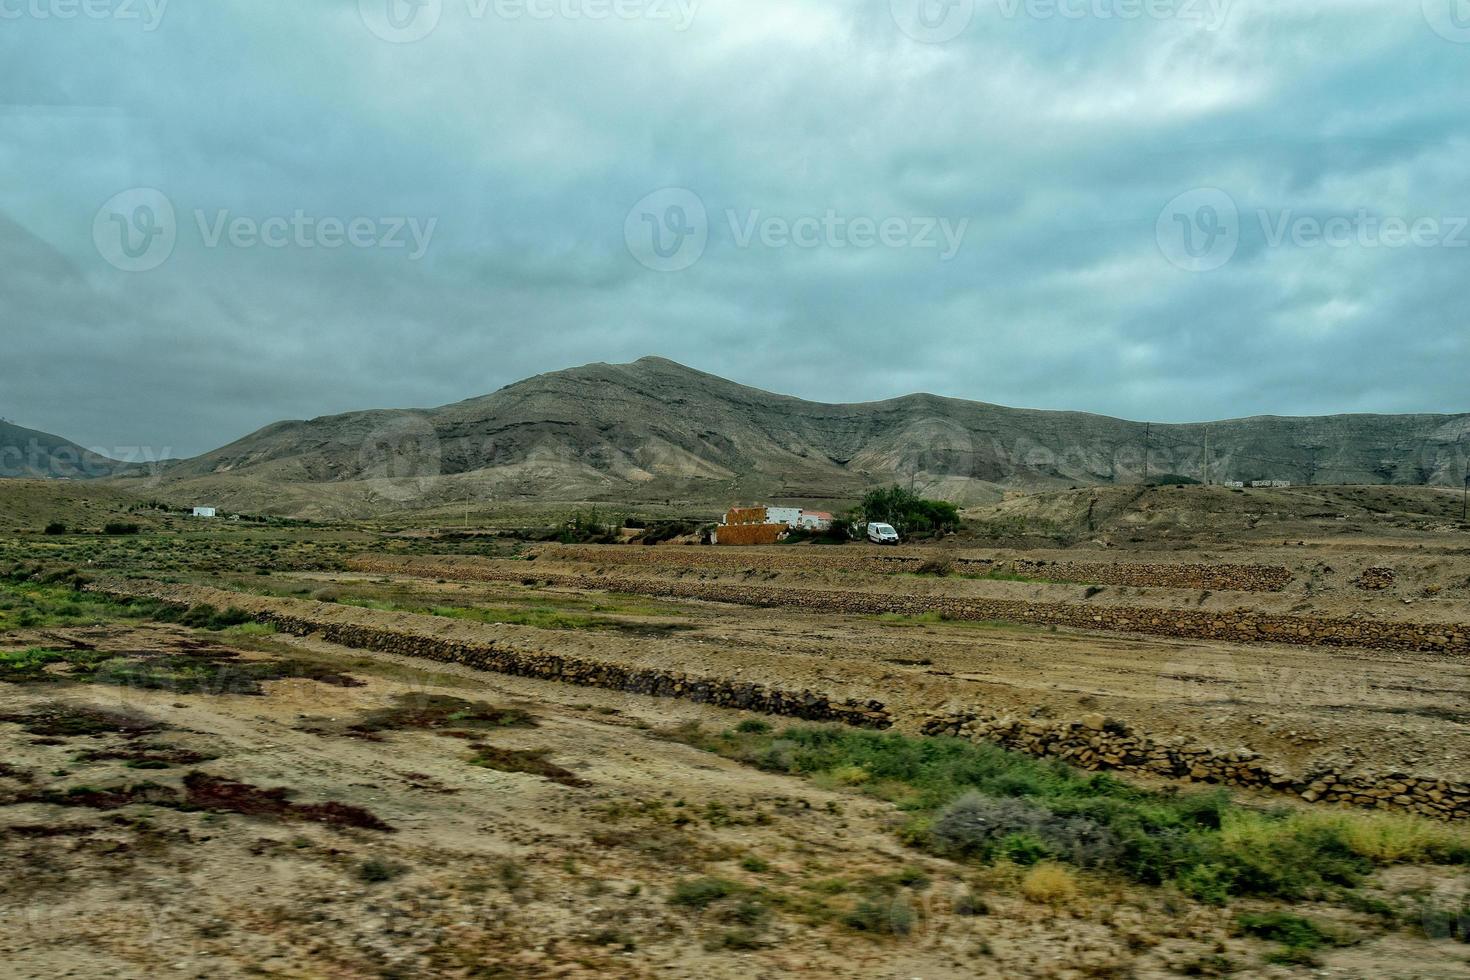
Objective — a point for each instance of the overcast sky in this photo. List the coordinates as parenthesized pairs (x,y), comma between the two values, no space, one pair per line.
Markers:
(1164,209)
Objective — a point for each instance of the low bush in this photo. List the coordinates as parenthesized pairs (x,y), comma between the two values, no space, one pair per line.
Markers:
(1050,884)
(981,802)
(698,893)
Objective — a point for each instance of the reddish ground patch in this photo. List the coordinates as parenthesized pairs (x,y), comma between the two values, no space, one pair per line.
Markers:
(219,795)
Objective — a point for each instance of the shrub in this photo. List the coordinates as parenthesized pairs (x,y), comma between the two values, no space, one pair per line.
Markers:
(56,527)
(1023,831)
(700,892)
(882,915)
(909,512)
(1299,936)
(941,567)
(971,903)
(375,870)
(1049,884)
(119,528)
(753,726)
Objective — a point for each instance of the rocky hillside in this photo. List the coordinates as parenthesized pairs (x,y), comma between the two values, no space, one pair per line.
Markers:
(27,453)
(654,429)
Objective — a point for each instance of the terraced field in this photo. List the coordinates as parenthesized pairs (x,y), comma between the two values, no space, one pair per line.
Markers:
(513,760)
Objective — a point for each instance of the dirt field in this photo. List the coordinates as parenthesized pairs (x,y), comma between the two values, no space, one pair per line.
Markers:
(190,789)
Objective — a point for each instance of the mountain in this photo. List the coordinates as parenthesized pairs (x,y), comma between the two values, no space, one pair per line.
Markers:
(27,453)
(654,430)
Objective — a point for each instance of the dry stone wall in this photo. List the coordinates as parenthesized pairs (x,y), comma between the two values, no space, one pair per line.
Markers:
(1097,742)
(1169,575)
(1375,579)
(1238,626)
(300,618)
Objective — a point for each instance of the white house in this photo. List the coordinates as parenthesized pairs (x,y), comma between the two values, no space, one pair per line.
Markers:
(790,516)
(814,520)
(205,512)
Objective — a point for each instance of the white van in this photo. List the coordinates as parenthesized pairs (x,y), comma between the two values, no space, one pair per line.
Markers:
(882,533)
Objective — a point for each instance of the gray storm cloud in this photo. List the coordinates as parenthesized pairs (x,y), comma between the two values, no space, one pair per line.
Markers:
(219,215)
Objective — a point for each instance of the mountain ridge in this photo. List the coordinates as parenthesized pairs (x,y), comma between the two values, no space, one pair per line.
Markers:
(654,429)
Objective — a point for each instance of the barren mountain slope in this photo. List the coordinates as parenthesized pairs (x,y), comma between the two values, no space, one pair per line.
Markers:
(654,429)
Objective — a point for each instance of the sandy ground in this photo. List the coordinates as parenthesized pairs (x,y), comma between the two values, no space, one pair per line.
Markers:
(1301,707)
(501,874)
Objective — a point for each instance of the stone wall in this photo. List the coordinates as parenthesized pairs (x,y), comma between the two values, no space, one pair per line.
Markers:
(1097,742)
(1236,626)
(1167,575)
(1170,575)
(1375,579)
(300,618)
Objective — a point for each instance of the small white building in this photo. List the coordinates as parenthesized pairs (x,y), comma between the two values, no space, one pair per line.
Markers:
(814,520)
(205,512)
(790,516)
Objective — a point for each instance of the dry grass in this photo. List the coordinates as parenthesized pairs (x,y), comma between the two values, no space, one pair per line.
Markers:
(1049,884)
(1382,838)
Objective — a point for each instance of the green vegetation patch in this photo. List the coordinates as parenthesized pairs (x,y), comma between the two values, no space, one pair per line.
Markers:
(983,803)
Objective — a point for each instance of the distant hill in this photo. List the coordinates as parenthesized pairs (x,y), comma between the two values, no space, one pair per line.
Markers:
(654,430)
(27,453)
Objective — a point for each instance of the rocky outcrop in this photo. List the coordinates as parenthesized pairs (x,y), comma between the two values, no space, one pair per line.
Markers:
(1375,579)
(1097,742)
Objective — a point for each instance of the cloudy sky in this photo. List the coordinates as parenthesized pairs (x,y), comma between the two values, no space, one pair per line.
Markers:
(219,214)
